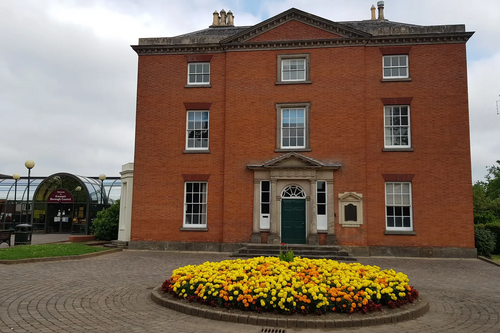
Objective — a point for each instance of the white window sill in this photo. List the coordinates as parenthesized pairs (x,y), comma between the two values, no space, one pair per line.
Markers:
(399,79)
(293,82)
(401,232)
(398,149)
(287,150)
(194,229)
(198,86)
(196,151)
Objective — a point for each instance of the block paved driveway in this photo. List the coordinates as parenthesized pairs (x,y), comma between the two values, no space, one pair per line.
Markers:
(111,293)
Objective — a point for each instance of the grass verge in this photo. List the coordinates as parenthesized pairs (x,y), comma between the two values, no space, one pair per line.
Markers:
(495,258)
(47,250)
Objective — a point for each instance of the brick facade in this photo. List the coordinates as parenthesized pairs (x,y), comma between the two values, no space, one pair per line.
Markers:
(346,96)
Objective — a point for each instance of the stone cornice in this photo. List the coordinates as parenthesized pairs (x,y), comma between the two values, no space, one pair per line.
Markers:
(451,38)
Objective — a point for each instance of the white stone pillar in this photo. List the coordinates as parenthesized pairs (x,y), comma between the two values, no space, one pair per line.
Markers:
(125,222)
(331,238)
(255,238)
(275,200)
(313,238)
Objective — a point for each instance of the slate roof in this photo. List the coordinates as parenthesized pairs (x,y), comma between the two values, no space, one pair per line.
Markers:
(219,35)
(391,28)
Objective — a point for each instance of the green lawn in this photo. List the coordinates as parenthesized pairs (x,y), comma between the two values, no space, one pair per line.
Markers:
(496,258)
(47,250)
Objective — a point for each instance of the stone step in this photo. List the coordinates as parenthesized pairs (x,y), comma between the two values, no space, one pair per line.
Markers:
(292,246)
(297,252)
(332,257)
(333,252)
(120,244)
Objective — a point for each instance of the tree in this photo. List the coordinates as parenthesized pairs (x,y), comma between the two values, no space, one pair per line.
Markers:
(486,196)
(493,177)
(105,225)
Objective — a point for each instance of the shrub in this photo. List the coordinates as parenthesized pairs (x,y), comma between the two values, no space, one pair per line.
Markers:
(485,242)
(105,225)
(495,230)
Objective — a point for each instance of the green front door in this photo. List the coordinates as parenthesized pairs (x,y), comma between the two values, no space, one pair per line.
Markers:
(293,221)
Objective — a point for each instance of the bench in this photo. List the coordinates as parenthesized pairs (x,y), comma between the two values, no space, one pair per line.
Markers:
(5,236)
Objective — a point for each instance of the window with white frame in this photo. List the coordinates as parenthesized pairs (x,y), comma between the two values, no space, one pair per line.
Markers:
(321,218)
(197,130)
(195,204)
(265,204)
(395,66)
(397,126)
(398,206)
(199,73)
(292,131)
(293,128)
(293,68)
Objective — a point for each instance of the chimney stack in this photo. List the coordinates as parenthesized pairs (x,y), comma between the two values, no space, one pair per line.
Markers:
(230,18)
(216,19)
(373,13)
(380,5)
(221,19)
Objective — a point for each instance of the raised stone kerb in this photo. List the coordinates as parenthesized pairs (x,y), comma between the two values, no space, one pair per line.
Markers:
(412,311)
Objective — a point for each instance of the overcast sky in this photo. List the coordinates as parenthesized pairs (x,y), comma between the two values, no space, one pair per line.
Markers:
(68,75)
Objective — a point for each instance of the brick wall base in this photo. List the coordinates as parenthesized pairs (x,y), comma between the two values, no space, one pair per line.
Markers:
(416,252)
(356,251)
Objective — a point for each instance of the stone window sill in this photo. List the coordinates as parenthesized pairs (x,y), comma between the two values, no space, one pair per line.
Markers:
(398,149)
(397,80)
(196,151)
(198,86)
(194,229)
(395,232)
(281,150)
(292,82)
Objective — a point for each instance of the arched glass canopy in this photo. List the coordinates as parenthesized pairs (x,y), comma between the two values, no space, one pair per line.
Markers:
(87,195)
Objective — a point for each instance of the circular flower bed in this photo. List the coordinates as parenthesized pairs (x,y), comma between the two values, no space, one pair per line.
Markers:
(304,285)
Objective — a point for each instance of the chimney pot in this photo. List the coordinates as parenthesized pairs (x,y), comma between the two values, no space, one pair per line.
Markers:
(216,18)
(230,18)
(380,5)
(222,17)
(374,17)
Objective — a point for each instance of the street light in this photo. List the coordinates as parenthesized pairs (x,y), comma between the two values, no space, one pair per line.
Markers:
(29,164)
(16,177)
(102,177)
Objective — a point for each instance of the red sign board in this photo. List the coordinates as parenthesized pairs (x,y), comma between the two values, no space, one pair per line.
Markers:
(61,196)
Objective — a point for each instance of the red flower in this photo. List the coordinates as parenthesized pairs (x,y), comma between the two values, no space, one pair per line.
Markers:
(282,243)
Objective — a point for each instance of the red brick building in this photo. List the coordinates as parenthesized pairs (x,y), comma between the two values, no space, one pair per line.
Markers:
(303,130)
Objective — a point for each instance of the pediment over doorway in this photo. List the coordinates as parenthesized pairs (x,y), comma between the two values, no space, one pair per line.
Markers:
(294,160)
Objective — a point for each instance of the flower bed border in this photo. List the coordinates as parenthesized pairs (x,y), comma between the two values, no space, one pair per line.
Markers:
(411,311)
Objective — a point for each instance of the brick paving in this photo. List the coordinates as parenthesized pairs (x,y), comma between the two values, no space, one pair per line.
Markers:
(111,293)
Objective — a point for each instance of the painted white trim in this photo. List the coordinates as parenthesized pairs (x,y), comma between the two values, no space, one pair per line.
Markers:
(391,67)
(184,225)
(199,83)
(207,129)
(265,219)
(303,109)
(322,220)
(401,205)
(386,126)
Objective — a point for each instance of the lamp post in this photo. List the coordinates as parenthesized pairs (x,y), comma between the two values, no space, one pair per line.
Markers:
(16,176)
(102,177)
(29,164)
